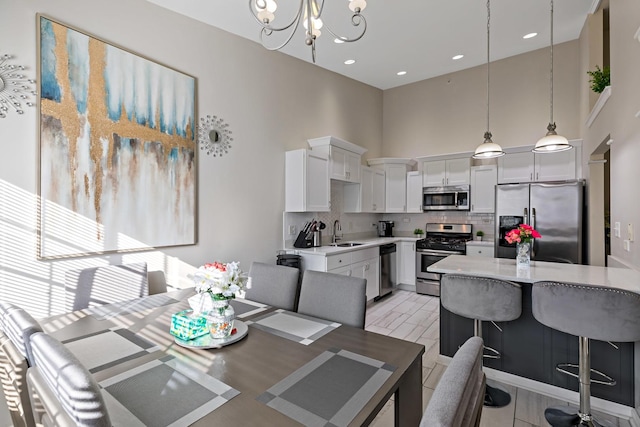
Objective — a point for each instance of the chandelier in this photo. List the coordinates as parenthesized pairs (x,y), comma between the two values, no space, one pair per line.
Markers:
(488,149)
(309,13)
(552,142)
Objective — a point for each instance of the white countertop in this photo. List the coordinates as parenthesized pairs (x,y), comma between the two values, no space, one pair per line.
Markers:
(505,269)
(366,243)
(480,243)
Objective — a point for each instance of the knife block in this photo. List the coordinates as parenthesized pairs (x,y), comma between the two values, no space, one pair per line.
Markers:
(302,241)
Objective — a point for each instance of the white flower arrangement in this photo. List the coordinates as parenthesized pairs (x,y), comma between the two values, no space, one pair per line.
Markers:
(221,280)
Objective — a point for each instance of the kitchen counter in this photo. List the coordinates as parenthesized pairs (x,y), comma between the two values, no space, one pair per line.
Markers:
(487,243)
(366,243)
(505,269)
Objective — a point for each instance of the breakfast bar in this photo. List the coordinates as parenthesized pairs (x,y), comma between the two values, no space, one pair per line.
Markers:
(528,348)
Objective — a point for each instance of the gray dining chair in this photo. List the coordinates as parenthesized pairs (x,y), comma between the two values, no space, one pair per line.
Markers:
(16,328)
(274,285)
(458,397)
(334,297)
(69,394)
(90,287)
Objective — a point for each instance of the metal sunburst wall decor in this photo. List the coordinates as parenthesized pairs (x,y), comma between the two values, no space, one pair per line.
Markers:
(214,136)
(15,88)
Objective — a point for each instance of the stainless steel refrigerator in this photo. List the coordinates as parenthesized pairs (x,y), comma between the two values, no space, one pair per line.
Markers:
(556,210)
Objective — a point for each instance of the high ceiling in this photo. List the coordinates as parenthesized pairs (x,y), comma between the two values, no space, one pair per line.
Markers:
(416,36)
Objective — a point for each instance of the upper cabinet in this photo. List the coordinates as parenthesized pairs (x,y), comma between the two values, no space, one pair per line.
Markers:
(345,158)
(527,166)
(395,170)
(306,181)
(368,196)
(414,192)
(439,173)
(483,188)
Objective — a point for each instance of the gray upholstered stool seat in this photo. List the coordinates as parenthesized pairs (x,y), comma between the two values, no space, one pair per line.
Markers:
(457,400)
(589,312)
(483,299)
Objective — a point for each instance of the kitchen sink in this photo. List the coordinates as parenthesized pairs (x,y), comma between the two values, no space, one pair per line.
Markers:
(347,245)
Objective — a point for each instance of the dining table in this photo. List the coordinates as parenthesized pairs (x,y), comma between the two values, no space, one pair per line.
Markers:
(286,369)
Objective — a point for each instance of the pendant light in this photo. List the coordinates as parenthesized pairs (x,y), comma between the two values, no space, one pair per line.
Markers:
(552,142)
(488,149)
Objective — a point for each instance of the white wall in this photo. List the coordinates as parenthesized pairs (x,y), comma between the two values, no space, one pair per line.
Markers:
(271,102)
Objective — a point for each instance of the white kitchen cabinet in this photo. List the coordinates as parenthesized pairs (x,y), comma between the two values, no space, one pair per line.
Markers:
(438,173)
(532,167)
(345,158)
(414,192)
(370,270)
(306,181)
(395,175)
(368,196)
(483,188)
(407,263)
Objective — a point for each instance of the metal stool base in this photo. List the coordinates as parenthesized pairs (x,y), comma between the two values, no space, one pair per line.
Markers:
(496,398)
(563,416)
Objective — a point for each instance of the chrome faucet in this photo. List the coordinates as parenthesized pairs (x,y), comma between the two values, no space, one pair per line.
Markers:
(336,228)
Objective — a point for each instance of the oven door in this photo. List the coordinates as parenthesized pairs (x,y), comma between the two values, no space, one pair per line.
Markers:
(426,282)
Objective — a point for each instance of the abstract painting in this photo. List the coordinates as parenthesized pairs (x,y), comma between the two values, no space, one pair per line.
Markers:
(117,148)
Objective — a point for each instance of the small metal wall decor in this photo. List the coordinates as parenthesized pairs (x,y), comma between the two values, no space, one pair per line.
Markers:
(214,136)
(15,88)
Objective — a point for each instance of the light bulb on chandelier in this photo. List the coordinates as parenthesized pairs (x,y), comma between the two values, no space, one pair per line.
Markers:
(309,13)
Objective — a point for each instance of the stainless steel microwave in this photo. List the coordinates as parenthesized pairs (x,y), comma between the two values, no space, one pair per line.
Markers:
(453,198)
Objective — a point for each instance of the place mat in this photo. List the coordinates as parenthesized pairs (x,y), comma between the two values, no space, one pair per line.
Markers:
(330,390)
(110,347)
(105,312)
(163,392)
(245,308)
(293,326)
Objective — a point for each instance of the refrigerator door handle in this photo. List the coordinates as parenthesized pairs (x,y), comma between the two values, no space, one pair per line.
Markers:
(533,224)
(526,216)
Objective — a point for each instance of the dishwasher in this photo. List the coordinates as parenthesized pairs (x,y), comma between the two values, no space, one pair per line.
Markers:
(387,269)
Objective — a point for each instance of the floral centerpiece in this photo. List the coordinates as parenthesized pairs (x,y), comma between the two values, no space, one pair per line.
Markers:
(216,283)
(523,238)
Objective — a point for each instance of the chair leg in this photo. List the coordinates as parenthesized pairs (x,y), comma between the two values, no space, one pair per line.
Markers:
(493,397)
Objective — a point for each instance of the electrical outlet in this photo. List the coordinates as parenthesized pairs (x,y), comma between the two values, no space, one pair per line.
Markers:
(627,246)
(630,232)
(406,219)
(616,229)
(292,230)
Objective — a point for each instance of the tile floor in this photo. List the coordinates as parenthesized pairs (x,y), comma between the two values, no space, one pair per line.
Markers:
(410,316)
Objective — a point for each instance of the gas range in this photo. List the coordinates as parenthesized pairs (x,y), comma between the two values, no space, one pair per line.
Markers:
(446,237)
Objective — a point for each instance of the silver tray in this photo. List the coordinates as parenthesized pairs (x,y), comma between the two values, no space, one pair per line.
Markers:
(206,341)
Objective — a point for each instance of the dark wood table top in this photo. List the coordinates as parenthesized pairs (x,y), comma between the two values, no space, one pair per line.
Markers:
(251,365)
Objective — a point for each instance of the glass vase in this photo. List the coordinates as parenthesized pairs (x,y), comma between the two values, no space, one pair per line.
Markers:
(220,319)
(523,254)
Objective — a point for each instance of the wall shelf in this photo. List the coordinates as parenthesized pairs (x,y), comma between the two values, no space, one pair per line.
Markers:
(604,96)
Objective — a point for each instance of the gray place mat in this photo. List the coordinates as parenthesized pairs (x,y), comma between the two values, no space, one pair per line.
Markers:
(110,347)
(293,326)
(245,308)
(105,312)
(163,392)
(330,390)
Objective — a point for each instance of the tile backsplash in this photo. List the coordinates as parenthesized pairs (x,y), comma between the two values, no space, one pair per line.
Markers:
(364,225)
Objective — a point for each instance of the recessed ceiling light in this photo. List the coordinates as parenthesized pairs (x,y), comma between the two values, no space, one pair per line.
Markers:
(455,58)
(401,73)
(530,35)
(338,41)
(350,61)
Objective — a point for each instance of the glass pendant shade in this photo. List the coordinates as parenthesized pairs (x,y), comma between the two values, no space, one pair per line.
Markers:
(488,149)
(552,142)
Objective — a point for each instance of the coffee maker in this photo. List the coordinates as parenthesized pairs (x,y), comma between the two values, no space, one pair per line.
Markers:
(385,228)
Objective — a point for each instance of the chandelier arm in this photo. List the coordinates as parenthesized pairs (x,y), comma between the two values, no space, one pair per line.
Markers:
(356,20)
(265,32)
(269,27)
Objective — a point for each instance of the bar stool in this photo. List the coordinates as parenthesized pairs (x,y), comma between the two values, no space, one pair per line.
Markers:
(483,299)
(589,312)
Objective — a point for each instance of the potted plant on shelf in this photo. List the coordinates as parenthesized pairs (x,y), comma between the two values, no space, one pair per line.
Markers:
(418,233)
(479,235)
(600,79)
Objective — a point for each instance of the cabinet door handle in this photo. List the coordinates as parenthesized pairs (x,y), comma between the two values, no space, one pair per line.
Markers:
(531,176)
(537,176)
